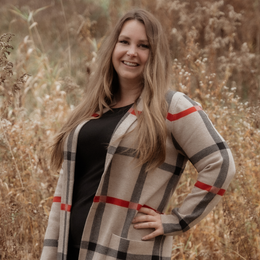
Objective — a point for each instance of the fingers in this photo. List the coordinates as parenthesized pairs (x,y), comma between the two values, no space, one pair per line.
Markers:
(152,235)
(151,219)
(147,211)
(144,218)
(150,215)
(154,225)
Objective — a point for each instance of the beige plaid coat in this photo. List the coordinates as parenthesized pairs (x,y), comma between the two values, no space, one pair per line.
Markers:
(124,188)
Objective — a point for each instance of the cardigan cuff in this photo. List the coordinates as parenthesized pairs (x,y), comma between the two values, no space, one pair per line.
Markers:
(171,225)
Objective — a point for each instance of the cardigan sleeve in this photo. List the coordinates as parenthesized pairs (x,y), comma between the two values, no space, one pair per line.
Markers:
(194,136)
(50,244)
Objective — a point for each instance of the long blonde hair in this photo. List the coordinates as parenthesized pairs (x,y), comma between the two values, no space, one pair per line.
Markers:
(151,127)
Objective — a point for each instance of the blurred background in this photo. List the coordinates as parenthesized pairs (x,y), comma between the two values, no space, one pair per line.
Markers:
(48,51)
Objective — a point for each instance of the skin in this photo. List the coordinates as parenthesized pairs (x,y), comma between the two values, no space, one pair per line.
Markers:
(150,219)
(133,46)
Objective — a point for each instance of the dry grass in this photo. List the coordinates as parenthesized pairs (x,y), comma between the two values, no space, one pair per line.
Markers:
(215,49)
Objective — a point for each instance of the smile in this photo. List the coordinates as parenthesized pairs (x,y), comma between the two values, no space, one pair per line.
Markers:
(131,64)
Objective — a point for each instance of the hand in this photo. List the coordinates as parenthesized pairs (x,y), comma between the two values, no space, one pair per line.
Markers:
(150,220)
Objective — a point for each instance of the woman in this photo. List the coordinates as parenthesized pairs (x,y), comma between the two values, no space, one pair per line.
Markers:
(123,150)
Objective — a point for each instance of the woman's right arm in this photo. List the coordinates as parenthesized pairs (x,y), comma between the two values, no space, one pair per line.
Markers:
(50,245)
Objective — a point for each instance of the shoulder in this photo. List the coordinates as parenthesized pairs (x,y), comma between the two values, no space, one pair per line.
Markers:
(178,101)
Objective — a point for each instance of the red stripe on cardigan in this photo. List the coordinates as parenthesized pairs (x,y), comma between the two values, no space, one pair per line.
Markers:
(56,199)
(173,117)
(132,111)
(209,188)
(65,207)
(121,203)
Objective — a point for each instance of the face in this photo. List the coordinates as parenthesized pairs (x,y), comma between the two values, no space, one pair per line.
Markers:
(131,52)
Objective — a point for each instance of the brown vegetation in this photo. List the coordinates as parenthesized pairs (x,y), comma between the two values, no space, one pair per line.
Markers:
(215,48)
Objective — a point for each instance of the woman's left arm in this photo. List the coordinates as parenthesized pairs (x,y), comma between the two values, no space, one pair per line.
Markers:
(194,137)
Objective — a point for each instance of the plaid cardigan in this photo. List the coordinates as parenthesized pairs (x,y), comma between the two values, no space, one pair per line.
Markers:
(124,188)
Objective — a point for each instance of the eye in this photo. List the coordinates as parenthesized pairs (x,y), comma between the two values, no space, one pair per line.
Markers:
(145,46)
(123,42)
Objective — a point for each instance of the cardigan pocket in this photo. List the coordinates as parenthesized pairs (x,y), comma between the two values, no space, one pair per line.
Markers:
(121,248)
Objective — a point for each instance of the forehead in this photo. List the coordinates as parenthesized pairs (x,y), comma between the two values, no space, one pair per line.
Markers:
(134,28)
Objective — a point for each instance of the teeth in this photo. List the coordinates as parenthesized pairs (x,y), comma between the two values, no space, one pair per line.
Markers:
(130,64)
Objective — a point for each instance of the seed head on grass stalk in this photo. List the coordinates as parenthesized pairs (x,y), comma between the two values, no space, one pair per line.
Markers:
(5,65)
(9,87)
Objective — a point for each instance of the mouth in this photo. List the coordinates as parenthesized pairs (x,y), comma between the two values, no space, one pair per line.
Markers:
(131,64)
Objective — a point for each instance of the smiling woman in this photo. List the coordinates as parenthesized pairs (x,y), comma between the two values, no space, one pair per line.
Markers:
(122,153)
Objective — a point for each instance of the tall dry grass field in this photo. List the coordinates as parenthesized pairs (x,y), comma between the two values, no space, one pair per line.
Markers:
(215,48)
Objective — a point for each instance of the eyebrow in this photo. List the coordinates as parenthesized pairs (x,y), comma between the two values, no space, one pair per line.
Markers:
(126,37)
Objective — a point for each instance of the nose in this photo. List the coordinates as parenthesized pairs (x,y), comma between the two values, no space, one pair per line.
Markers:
(131,51)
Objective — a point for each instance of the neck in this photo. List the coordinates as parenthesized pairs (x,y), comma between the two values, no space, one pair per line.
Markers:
(128,93)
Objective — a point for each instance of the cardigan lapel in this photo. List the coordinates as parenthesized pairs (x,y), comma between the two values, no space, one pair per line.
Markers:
(125,123)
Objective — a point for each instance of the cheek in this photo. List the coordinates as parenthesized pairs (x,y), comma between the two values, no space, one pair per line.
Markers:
(145,58)
(116,56)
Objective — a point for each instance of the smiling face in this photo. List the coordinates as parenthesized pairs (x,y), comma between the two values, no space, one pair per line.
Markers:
(131,53)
